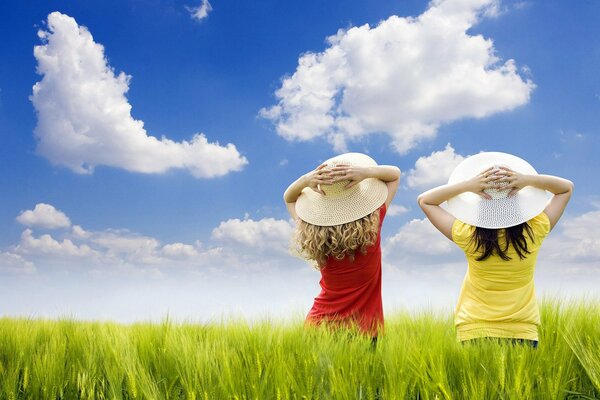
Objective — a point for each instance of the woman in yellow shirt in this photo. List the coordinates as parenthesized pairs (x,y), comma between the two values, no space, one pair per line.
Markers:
(498,213)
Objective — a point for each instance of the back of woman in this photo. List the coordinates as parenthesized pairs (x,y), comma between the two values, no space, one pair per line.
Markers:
(497,289)
(499,213)
(361,268)
(339,209)
(351,287)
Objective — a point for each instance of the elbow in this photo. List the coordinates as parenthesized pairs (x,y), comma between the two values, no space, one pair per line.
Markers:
(421,201)
(424,201)
(569,187)
(392,174)
(286,197)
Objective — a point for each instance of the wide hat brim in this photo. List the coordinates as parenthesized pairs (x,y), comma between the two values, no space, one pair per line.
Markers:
(498,213)
(339,205)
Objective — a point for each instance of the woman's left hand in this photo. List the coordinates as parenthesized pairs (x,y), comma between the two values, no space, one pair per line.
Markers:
(352,173)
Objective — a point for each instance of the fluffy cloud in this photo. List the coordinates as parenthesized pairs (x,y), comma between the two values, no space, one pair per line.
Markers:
(121,244)
(419,240)
(241,245)
(179,250)
(14,263)
(84,118)
(44,216)
(421,269)
(396,210)
(110,247)
(434,169)
(577,239)
(571,252)
(259,245)
(404,77)
(200,12)
(79,232)
(46,245)
(266,234)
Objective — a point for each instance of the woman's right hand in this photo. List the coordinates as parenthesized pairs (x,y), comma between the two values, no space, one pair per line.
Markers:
(514,180)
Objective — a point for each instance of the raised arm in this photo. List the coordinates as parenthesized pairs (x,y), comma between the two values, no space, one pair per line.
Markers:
(312,179)
(561,188)
(389,174)
(430,200)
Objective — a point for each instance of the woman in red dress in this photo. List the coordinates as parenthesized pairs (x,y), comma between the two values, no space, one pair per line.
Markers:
(339,208)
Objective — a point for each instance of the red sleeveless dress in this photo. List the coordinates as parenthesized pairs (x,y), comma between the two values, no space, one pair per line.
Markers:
(351,290)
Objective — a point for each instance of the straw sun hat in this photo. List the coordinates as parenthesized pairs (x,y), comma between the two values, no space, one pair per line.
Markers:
(340,205)
(501,211)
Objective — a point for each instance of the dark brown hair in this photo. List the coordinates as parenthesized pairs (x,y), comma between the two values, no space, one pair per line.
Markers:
(487,240)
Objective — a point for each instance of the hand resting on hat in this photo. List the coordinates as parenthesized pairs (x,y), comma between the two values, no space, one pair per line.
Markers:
(355,173)
(318,176)
(561,188)
(322,175)
(351,173)
(430,200)
(500,232)
(514,180)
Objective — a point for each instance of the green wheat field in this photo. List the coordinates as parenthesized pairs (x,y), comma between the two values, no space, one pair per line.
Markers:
(416,358)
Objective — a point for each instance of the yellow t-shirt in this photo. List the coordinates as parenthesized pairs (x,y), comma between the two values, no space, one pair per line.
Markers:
(497,298)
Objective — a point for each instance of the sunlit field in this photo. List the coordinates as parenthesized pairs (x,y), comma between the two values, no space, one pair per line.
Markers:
(416,358)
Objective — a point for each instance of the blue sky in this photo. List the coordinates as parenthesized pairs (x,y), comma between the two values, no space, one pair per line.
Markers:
(200,230)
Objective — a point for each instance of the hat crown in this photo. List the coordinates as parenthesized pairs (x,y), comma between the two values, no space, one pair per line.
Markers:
(351,159)
(341,205)
(336,189)
(498,192)
(355,159)
(501,211)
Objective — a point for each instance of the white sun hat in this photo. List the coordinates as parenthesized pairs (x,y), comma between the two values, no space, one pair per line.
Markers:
(339,205)
(501,211)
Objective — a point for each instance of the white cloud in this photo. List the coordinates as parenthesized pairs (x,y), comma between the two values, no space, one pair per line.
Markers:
(238,244)
(266,234)
(45,216)
(48,246)
(570,255)
(200,12)
(247,244)
(80,233)
(84,118)
(179,250)
(396,210)
(494,10)
(422,269)
(121,244)
(577,239)
(404,77)
(419,240)
(111,248)
(435,169)
(14,263)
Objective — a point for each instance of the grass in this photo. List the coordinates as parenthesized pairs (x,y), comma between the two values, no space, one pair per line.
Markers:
(417,358)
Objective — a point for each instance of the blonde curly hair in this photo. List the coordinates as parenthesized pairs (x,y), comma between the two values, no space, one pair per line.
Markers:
(318,243)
